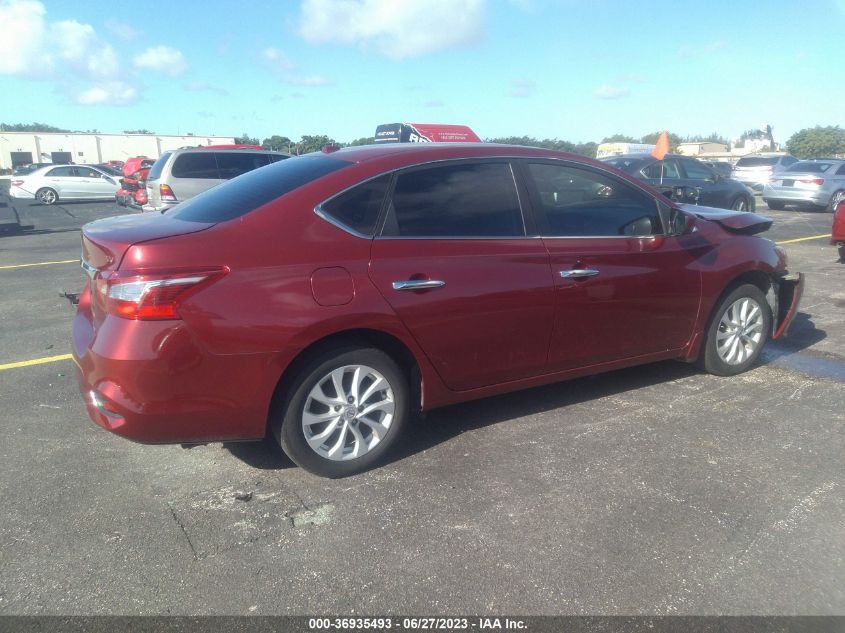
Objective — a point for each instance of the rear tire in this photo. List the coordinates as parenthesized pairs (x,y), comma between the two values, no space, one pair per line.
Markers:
(774,205)
(738,330)
(45,195)
(842,254)
(323,423)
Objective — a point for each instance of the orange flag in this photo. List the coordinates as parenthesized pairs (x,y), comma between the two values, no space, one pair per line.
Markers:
(662,147)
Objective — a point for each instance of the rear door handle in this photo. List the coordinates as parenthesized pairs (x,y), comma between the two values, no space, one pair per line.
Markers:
(579,273)
(418,284)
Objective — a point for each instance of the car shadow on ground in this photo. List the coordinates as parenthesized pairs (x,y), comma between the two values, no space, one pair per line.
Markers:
(441,425)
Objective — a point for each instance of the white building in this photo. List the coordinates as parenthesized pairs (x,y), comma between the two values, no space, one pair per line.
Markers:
(19,148)
(702,147)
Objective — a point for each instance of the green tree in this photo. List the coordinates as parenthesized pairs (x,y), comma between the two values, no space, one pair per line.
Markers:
(309,143)
(817,141)
(674,139)
(713,137)
(620,138)
(246,139)
(30,127)
(278,143)
(141,131)
(364,140)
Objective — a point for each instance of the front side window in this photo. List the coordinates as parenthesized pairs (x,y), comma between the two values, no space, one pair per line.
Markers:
(578,202)
(196,165)
(358,208)
(61,172)
(457,200)
(696,171)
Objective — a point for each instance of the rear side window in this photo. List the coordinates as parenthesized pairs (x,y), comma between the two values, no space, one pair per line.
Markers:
(810,167)
(579,202)
(195,165)
(158,166)
(358,208)
(233,164)
(841,171)
(459,200)
(757,161)
(662,169)
(238,197)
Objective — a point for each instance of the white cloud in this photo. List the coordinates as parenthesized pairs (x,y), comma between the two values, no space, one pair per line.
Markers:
(162,59)
(397,29)
(309,80)
(121,29)
(22,37)
(522,88)
(204,86)
(275,59)
(111,93)
(611,92)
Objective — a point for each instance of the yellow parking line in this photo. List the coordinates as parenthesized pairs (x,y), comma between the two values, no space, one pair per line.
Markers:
(64,261)
(804,239)
(36,361)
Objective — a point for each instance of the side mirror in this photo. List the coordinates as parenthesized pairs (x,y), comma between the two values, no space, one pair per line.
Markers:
(111,180)
(681,223)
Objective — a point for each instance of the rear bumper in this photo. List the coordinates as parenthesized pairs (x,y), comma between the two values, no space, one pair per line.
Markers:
(23,194)
(151,382)
(793,194)
(790,291)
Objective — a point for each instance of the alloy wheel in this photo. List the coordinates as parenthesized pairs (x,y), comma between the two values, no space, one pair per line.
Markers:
(348,412)
(740,331)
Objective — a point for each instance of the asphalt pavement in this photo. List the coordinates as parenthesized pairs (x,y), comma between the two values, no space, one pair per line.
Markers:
(653,490)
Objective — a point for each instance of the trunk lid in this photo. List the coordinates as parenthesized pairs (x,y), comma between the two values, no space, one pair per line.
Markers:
(104,242)
(740,222)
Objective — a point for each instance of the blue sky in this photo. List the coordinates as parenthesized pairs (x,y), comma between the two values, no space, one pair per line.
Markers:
(573,70)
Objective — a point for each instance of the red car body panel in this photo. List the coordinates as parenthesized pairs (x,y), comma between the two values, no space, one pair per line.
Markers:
(837,234)
(505,319)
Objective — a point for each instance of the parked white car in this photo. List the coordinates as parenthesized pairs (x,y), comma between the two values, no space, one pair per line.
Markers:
(50,184)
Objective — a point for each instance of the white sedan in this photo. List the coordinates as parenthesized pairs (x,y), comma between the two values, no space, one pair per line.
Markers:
(50,184)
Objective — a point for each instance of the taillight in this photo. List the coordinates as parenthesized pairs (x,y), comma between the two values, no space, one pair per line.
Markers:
(149,296)
(17,183)
(812,181)
(166,193)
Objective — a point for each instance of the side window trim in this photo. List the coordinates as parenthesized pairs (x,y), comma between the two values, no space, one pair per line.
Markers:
(379,224)
(387,205)
(539,214)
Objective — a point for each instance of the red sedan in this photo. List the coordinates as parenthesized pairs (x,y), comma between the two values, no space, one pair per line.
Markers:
(326,297)
(837,236)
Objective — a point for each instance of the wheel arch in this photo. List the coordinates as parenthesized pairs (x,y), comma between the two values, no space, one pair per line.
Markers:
(388,343)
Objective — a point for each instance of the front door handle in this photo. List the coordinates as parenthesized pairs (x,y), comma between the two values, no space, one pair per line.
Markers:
(579,273)
(418,284)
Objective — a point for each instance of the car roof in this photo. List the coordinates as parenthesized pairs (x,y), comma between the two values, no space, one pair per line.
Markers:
(442,151)
(230,150)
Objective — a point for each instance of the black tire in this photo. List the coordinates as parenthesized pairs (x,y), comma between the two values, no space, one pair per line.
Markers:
(835,199)
(842,254)
(48,196)
(774,205)
(709,358)
(740,203)
(286,421)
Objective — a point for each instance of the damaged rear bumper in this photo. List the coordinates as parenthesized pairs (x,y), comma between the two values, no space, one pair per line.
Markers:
(789,290)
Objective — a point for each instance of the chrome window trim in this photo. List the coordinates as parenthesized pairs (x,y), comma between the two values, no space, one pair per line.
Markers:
(318,210)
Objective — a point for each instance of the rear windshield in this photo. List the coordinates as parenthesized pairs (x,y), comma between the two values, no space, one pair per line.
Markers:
(256,188)
(158,167)
(757,161)
(809,167)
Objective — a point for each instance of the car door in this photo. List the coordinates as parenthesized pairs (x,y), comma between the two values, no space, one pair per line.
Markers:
(64,181)
(454,262)
(95,184)
(713,190)
(623,287)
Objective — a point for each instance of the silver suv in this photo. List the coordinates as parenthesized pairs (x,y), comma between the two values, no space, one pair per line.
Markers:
(754,171)
(183,173)
(818,183)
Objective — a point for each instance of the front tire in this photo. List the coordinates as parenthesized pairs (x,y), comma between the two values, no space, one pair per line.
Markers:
(739,328)
(740,203)
(836,198)
(45,195)
(344,412)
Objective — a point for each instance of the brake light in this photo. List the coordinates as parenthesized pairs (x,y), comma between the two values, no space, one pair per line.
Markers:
(166,193)
(150,296)
(17,183)
(812,181)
